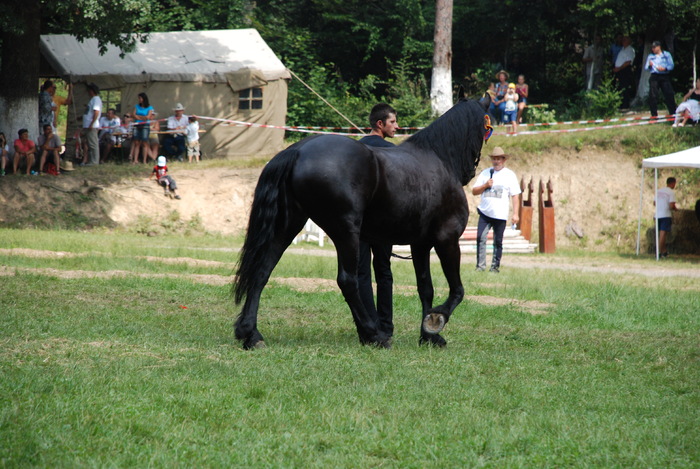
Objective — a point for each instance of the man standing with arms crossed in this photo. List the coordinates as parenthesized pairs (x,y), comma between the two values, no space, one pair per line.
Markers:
(382,118)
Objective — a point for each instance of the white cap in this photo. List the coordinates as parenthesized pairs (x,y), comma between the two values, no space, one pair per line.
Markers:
(160,161)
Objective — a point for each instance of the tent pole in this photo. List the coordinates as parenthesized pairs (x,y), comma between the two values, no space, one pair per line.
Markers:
(639,219)
(656,219)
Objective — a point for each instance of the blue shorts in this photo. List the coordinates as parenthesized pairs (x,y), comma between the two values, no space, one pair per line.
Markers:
(510,116)
(665,224)
(141,132)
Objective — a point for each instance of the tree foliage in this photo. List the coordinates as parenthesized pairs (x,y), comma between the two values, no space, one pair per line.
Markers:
(543,39)
(354,53)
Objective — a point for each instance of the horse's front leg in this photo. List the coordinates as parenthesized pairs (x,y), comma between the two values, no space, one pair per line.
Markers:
(437,317)
(424,282)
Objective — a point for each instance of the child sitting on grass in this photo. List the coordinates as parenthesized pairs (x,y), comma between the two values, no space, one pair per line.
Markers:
(160,170)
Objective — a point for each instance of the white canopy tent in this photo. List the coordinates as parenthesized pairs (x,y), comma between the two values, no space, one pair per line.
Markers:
(689,158)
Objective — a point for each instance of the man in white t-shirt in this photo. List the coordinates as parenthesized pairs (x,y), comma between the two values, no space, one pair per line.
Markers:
(91,124)
(665,203)
(623,72)
(497,186)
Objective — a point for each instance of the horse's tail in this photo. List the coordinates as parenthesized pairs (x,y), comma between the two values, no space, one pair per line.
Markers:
(268,213)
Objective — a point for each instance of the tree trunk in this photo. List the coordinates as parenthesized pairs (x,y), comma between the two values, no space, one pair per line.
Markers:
(643,83)
(441,83)
(19,76)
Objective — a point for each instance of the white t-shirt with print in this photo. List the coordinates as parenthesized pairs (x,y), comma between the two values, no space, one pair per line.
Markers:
(495,201)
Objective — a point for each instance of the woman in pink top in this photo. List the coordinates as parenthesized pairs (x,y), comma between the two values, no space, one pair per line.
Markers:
(523,90)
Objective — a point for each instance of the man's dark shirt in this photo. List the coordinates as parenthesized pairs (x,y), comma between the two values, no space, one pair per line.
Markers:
(376,141)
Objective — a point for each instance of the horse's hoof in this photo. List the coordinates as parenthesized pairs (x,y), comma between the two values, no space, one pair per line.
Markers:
(250,345)
(434,340)
(434,323)
(384,343)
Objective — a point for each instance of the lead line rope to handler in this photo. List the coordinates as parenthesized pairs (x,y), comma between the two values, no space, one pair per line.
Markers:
(322,99)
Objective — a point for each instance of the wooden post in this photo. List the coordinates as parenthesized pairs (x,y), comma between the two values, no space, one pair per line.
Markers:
(525,223)
(547,233)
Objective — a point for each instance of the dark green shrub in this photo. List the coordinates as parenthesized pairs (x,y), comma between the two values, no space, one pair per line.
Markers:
(602,102)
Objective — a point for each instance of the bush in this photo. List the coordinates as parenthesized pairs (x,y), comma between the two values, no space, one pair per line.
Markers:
(602,102)
(478,82)
(410,97)
(406,91)
(542,113)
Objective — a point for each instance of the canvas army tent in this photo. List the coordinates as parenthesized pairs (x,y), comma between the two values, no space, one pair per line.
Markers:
(689,158)
(225,74)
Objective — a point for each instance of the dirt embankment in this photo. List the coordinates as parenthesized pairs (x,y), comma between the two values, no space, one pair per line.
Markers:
(596,191)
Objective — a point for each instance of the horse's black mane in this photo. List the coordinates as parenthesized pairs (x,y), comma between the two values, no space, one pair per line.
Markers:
(456,138)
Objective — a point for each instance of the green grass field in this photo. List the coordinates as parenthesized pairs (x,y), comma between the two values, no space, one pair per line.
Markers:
(119,352)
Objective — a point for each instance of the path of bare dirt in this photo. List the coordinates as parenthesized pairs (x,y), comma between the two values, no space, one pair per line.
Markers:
(318,284)
(221,198)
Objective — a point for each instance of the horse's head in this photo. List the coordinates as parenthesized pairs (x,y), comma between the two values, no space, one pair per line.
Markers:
(478,131)
(485,100)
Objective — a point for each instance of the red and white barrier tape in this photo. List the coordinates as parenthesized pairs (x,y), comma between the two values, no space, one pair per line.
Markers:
(535,124)
(585,129)
(268,126)
(595,121)
(645,120)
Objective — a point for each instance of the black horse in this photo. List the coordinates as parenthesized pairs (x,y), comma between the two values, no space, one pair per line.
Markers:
(410,194)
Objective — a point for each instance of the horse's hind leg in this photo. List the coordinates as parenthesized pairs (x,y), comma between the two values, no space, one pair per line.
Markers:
(246,328)
(246,325)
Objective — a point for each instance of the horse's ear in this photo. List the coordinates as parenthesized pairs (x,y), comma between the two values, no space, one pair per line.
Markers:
(460,93)
(485,102)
